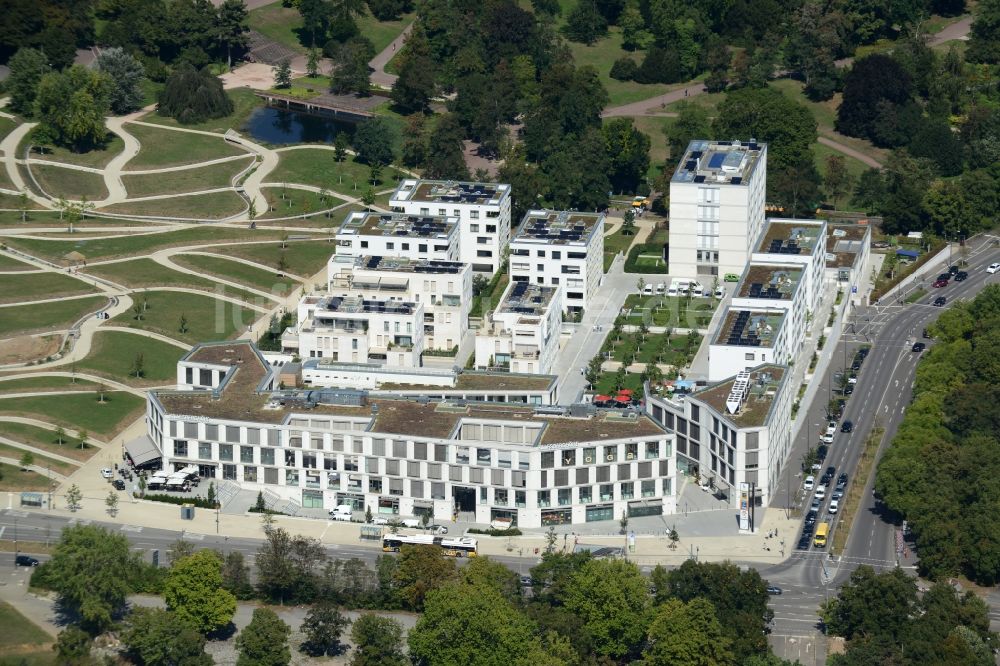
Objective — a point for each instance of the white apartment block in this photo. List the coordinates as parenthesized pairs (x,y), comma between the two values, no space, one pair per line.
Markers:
(397,235)
(848,258)
(522,333)
(747,338)
(798,243)
(563,249)
(354,329)
(716,208)
(737,431)
(399,457)
(482,211)
(444,288)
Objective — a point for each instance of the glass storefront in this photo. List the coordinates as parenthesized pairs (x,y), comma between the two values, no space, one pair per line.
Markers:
(600,512)
(357,502)
(504,514)
(312,499)
(388,506)
(637,509)
(557,517)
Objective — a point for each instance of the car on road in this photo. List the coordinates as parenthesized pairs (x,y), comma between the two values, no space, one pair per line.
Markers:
(953,270)
(961,276)
(837,494)
(771,589)
(820,492)
(809,483)
(993,268)
(830,471)
(940,283)
(925,335)
(831,427)
(119,484)
(853,379)
(849,389)
(437,529)
(815,504)
(919,347)
(526,581)
(834,506)
(25,561)
(944,276)
(940,301)
(803,544)
(810,518)
(106,472)
(826,439)
(847,426)
(863,352)
(821,452)
(380,520)
(881,245)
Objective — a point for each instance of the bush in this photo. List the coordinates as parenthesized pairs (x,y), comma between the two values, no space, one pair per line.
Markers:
(513,531)
(193,96)
(199,502)
(624,69)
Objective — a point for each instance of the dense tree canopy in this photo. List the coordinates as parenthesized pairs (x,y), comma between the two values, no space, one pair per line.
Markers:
(159,638)
(264,642)
(27,68)
(193,96)
(126,74)
(193,592)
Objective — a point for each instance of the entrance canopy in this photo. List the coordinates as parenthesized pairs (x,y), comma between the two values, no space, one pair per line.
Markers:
(143,452)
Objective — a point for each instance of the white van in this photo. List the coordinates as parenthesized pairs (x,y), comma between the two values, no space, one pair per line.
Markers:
(648,290)
(412,523)
(697,289)
(344,513)
(683,286)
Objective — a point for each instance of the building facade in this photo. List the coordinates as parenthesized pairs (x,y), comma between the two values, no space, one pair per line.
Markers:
(716,208)
(415,237)
(482,211)
(522,332)
(560,249)
(799,243)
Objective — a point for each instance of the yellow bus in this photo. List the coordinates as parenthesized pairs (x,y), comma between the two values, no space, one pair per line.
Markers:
(821,531)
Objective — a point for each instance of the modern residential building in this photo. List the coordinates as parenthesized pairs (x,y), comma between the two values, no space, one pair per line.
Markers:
(481,209)
(733,432)
(355,329)
(522,333)
(716,208)
(482,461)
(800,243)
(444,288)
(747,338)
(397,235)
(848,258)
(560,248)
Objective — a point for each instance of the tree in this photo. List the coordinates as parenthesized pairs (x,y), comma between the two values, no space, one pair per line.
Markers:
(692,123)
(259,505)
(138,364)
(158,637)
(984,36)
(373,141)
(350,67)
(323,626)
(126,74)
(340,144)
(183,324)
(282,74)
(73,646)
(27,67)
(192,96)
(27,460)
(264,642)
(874,79)
(674,538)
(482,571)
(287,565)
(81,437)
(236,575)
(60,435)
(585,23)
(421,569)
(765,114)
(687,633)
(378,641)
(872,603)
(628,152)
(445,151)
(91,570)
(193,592)
(634,33)
(232,31)
(414,150)
(71,106)
(111,501)
(838,179)
(102,393)
(415,86)
(73,497)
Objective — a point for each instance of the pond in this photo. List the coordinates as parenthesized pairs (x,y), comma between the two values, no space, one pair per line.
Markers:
(279,126)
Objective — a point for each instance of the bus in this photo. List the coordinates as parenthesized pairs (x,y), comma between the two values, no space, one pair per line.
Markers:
(452,547)
(821,531)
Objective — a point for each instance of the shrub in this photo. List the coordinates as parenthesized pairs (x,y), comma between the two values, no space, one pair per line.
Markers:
(513,531)
(624,69)
(199,502)
(193,96)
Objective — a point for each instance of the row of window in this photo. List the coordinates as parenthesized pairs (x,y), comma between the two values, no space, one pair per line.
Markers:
(554,254)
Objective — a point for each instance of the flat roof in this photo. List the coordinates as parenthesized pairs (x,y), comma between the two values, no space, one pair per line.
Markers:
(844,243)
(559,227)
(766,281)
(471,380)
(450,191)
(361,305)
(527,298)
(374,223)
(718,162)
(764,383)
(791,237)
(750,328)
(407,265)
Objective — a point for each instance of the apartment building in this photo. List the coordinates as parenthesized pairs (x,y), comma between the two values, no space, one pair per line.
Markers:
(848,257)
(716,208)
(799,243)
(444,288)
(355,329)
(401,457)
(482,211)
(522,332)
(418,237)
(734,432)
(560,248)
(747,338)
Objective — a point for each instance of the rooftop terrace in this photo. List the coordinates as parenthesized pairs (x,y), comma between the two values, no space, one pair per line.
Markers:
(449,191)
(777,283)
(844,243)
(482,381)
(563,226)
(753,396)
(360,305)
(373,223)
(747,328)
(790,237)
(718,162)
(404,265)
(526,298)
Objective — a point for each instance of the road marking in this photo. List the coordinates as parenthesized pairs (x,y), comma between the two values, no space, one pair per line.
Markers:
(17,513)
(131,528)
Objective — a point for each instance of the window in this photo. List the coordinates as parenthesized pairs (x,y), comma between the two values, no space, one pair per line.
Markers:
(544,498)
(330,463)
(582,475)
(565,496)
(500,497)
(483,240)
(266,456)
(375,485)
(483,457)
(225,451)
(420,450)
(648,488)
(569,458)
(422,247)
(364,243)
(548,459)
(520,499)
(586,494)
(749,356)
(589,455)
(390,246)
(392,467)
(204,451)
(562,477)
(652,450)
(607,492)
(556,254)
(229,472)
(289,458)
(433,471)
(628,490)
(441,452)
(291,477)
(473,214)
(491,228)
(474,228)
(437,490)
(610,453)
(484,253)
(250,474)
(181,448)
(246,454)
(603,473)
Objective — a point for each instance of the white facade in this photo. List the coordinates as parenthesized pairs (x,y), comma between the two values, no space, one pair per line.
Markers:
(560,249)
(800,243)
(482,211)
(353,329)
(746,339)
(848,258)
(716,208)
(522,334)
(444,288)
(395,235)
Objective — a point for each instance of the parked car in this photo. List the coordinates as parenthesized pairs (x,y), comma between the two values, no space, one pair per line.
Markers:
(961,276)
(820,492)
(380,520)
(849,389)
(826,438)
(25,561)
(118,484)
(848,426)
(925,335)
(809,483)
(831,427)
(944,276)
(953,270)
(837,494)
(834,505)
(940,283)
(993,268)
(106,472)
(919,347)
(881,245)
(648,290)
(940,301)
(821,451)
(437,529)
(661,288)
(526,581)
(735,277)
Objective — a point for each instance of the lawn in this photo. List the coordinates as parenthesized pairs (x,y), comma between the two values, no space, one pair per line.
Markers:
(854,166)
(284,25)
(244,103)
(58,466)
(708,101)
(601,55)
(6,127)
(97,158)
(40,438)
(236,271)
(103,420)
(38,286)
(13,478)
(303,258)
(615,243)
(316,167)
(166,148)
(671,311)
(113,355)
(287,202)
(654,128)
(17,632)
(45,383)
(8,263)
(60,183)
(46,316)
(189,180)
(214,206)
(606,383)
(146,273)
(652,349)
(207,319)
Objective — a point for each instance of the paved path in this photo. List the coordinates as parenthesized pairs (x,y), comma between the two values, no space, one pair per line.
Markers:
(39,452)
(70,432)
(850,152)
(146,334)
(380,77)
(85,376)
(9,149)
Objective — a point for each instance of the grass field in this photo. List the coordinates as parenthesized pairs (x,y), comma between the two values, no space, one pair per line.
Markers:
(207,319)
(45,316)
(6,127)
(82,410)
(284,25)
(165,148)
(114,352)
(8,263)
(653,127)
(244,103)
(303,259)
(236,271)
(146,273)
(69,183)
(13,478)
(92,158)
(855,167)
(214,206)
(38,286)
(45,383)
(40,438)
(613,244)
(58,466)
(314,166)
(650,349)
(606,383)
(601,55)
(17,632)
(301,202)
(188,180)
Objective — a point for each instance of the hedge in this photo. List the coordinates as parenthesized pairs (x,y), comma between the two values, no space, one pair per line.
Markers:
(644,248)
(199,502)
(513,531)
